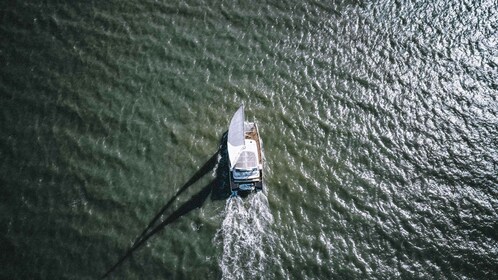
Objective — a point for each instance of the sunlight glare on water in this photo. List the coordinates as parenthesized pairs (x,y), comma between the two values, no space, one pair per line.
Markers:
(379,120)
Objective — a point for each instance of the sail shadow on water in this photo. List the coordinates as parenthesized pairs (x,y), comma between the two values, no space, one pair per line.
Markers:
(217,187)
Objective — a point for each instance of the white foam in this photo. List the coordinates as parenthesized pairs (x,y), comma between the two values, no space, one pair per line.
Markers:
(246,237)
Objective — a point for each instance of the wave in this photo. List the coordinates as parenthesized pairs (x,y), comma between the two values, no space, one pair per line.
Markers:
(246,237)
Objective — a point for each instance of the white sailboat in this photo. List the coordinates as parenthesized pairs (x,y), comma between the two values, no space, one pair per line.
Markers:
(244,154)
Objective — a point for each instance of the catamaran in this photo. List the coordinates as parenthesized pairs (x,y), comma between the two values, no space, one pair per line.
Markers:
(245,154)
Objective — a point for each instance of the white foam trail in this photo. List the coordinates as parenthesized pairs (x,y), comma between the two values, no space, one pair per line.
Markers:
(245,234)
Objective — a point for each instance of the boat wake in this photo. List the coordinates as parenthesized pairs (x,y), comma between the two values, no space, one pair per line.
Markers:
(245,237)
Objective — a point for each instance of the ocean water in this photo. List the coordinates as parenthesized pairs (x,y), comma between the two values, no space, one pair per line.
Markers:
(379,121)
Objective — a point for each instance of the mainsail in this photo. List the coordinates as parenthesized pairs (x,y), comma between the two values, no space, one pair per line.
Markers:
(236,136)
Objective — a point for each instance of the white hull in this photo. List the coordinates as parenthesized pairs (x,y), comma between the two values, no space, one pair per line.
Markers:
(245,154)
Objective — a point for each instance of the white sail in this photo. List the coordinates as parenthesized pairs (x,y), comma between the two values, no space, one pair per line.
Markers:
(236,136)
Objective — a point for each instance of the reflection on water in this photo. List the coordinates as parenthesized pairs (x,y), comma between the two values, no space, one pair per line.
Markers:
(379,120)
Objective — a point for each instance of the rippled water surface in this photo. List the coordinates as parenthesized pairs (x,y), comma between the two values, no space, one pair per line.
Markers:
(379,120)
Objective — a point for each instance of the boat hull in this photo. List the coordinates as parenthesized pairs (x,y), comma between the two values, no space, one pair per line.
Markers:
(255,185)
(253,146)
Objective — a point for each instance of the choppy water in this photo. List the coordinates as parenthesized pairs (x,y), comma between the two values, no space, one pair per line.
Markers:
(380,123)
(246,237)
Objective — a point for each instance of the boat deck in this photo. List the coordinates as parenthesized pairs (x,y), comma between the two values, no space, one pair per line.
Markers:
(253,135)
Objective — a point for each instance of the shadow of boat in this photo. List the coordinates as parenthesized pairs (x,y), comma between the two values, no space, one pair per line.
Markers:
(218,188)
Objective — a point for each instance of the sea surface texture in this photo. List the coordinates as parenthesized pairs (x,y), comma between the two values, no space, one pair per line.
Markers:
(379,121)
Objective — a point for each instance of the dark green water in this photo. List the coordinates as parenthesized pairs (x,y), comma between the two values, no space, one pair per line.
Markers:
(380,125)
